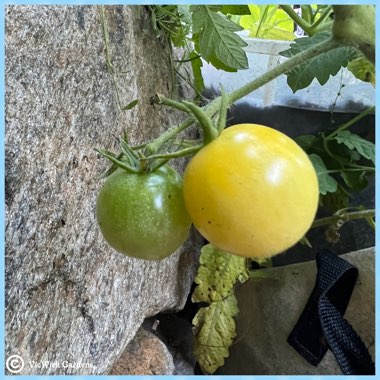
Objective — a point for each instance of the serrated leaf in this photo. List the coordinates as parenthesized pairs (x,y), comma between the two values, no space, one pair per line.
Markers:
(216,330)
(352,141)
(217,274)
(268,21)
(327,184)
(217,37)
(363,69)
(235,10)
(320,67)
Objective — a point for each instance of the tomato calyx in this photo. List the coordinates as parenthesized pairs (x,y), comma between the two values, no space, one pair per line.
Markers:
(128,159)
(149,157)
(140,159)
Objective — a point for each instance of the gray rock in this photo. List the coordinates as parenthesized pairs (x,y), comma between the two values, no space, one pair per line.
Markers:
(270,307)
(68,294)
(144,355)
(176,333)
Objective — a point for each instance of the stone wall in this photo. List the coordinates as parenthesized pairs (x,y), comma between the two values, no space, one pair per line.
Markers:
(69,297)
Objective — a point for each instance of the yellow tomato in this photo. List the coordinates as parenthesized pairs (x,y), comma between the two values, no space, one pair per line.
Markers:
(252,191)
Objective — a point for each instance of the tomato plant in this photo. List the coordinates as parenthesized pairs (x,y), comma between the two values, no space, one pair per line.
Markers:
(249,189)
(143,214)
(252,191)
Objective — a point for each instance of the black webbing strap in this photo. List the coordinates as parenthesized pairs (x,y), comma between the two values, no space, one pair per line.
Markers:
(321,324)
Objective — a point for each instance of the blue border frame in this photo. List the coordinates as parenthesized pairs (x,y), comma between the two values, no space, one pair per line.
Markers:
(2,163)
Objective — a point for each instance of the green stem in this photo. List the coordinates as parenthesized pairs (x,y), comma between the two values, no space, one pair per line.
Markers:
(178,153)
(282,68)
(223,111)
(350,122)
(355,25)
(103,20)
(363,214)
(155,145)
(214,106)
(161,99)
(350,170)
(210,133)
(262,18)
(296,18)
(371,222)
(321,19)
(362,167)
(188,59)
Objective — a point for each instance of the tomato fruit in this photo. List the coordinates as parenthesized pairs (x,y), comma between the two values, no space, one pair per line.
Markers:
(143,215)
(252,191)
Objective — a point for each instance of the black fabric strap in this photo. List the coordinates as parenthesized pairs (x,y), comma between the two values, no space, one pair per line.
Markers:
(321,324)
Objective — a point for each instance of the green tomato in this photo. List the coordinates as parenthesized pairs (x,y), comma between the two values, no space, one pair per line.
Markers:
(143,215)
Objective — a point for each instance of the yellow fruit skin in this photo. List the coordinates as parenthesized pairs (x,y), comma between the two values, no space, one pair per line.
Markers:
(252,191)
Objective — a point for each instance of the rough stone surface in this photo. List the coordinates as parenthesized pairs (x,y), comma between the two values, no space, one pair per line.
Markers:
(69,297)
(177,334)
(270,307)
(144,355)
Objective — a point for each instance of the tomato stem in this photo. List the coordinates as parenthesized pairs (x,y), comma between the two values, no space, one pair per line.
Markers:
(350,122)
(306,26)
(210,133)
(211,109)
(310,29)
(362,214)
(161,99)
(355,25)
(223,111)
(155,145)
(289,64)
(176,154)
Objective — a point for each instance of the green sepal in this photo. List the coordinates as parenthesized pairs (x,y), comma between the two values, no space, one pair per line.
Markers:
(116,160)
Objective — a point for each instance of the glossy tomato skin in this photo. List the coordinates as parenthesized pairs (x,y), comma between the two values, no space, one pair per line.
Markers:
(143,215)
(252,191)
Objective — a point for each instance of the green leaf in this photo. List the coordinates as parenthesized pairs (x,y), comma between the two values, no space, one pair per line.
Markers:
(235,10)
(268,21)
(220,65)
(217,37)
(336,201)
(320,67)
(306,142)
(355,180)
(184,13)
(196,65)
(215,330)
(217,274)
(327,184)
(352,141)
(363,69)
(130,105)
(305,241)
